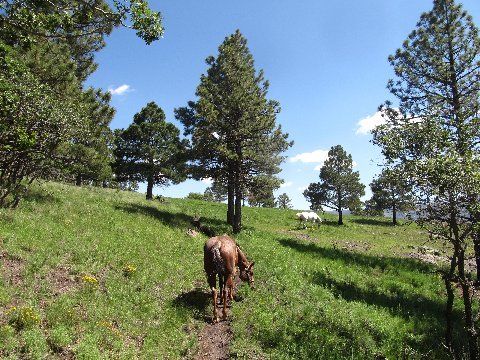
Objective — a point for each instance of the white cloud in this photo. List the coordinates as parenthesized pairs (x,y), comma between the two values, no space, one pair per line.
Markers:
(314,156)
(120,90)
(286,184)
(367,124)
(317,156)
(302,188)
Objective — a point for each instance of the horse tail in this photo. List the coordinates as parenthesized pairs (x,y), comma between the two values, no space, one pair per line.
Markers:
(218,261)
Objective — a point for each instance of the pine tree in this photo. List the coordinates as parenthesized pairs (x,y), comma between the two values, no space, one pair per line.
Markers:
(284,202)
(260,191)
(391,192)
(232,125)
(150,150)
(217,192)
(339,187)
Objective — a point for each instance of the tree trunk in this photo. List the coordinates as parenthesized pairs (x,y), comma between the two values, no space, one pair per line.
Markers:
(466,285)
(237,223)
(78,180)
(467,305)
(394,214)
(340,217)
(237,226)
(230,200)
(339,209)
(448,277)
(150,188)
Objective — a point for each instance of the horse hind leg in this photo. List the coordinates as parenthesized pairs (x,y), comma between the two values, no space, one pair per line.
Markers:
(224,299)
(230,287)
(227,294)
(215,315)
(221,285)
(212,283)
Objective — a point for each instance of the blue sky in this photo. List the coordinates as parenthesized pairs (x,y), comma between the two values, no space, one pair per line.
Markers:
(326,62)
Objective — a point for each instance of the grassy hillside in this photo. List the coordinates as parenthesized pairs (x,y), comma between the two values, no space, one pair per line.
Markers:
(90,273)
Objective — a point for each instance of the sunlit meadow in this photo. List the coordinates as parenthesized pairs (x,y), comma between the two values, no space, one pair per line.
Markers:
(100,273)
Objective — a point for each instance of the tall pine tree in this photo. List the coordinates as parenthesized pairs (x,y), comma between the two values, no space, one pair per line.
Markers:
(233,129)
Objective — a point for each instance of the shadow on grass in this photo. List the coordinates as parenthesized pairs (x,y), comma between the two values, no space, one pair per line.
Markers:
(40,196)
(209,227)
(374,222)
(324,338)
(426,313)
(196,301)
(350,257)
(395,301)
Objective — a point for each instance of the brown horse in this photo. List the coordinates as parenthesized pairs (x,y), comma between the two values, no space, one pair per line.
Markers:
(221,256)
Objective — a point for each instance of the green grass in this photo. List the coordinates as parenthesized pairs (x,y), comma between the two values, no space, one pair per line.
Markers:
(332,292)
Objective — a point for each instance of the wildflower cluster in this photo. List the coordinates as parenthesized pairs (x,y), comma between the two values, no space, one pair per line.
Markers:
(90,280)
(22,317)
(129,270)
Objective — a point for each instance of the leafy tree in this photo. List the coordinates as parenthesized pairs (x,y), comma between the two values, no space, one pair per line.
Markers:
(339,187)
(390,191)
(150,150)
(284,202)
(85,153)
(27,20)
(234,137)
(434,136)
(34,121)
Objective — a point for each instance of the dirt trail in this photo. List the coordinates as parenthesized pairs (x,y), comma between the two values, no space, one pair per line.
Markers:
(214,341)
